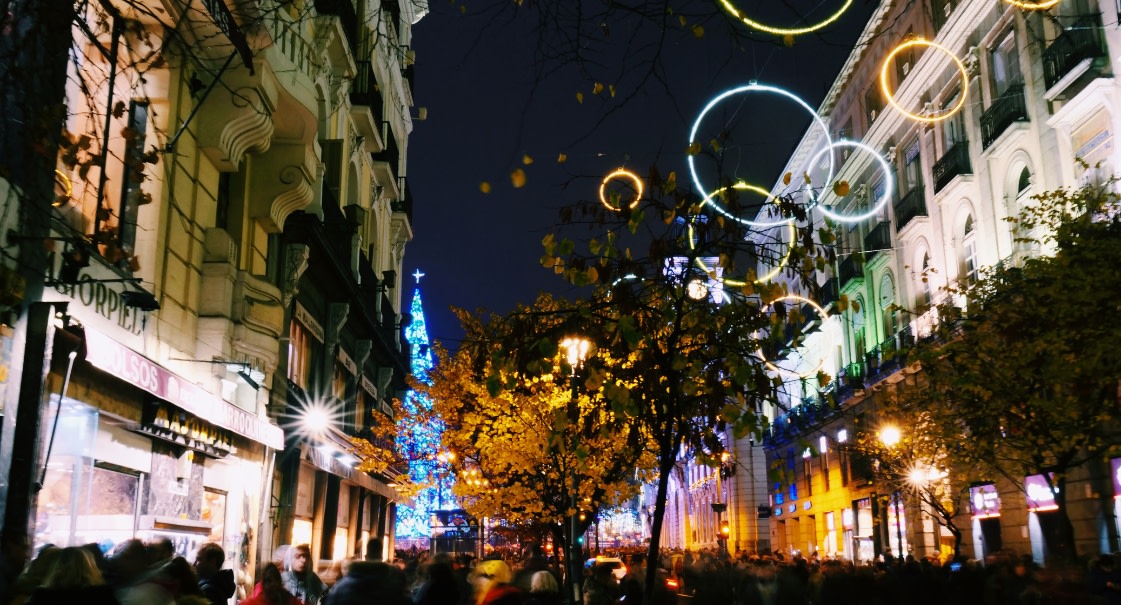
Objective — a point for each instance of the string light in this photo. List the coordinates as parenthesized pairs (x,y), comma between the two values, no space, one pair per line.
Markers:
(622,172)
(821,313)
(891,99)
(784,31)
(753,87)
(888,183)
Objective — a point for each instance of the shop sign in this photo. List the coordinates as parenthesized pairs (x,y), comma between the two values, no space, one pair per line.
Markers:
(308,321)
(95,298)
(984,501)
(1040,496)
(368,386)
(132,367)
(347,362)
(1115,464)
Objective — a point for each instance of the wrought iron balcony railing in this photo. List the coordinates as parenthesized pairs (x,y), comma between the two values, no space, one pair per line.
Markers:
(1082,40)
(955,162)
(1004,111)
(910,205)
(877,240)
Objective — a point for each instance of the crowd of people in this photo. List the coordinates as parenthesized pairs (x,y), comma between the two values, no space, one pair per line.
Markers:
(138,573)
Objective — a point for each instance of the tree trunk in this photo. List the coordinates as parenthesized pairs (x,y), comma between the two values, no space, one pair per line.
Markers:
(652,562)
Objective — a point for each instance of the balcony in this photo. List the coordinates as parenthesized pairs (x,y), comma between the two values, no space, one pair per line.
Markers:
(955,162)
(348,18)
(404,204)
(911,205)
(877,240)
(1080,42)
(1005,110)
(851,268)
(364,91)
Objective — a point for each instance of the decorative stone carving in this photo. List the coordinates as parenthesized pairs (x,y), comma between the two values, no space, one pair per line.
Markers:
(336,319)
(295,263)
(362,349)
(385,375)
(972,61)
(237,117)
(281,182)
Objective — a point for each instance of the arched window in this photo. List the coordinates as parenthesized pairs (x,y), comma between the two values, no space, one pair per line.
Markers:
(858,336)
(889,311)
(925,275)
(1024,183)
(968,253)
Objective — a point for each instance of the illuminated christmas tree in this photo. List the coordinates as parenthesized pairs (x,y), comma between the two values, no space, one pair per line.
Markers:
(421,442)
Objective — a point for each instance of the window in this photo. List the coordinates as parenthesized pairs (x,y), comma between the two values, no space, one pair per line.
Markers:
(807,470)
(873,103)
(846,470)
(299,355)
(924,280)
(905,59)
(890,312)
(339,381)
(912,172)
(953,127)
(1006,65)
(969,263)
(1024,182)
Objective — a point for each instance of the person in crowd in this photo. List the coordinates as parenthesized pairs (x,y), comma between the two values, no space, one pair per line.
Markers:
(1105,580)
(216,584)
(491,580)
(73,578)
(364,579)
(33,577)
(183,582)
(299,577)
(160,551)
(535,561)
(270,589)
(634,583)
(136,582)
(601,588)
(543,589)
(15,550)
(438,583)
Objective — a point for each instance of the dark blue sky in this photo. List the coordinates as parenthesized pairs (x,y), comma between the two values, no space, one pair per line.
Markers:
(492,98)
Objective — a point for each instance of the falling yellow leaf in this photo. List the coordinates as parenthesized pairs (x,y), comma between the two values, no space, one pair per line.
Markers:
(597,88)
(579,97)
(806,176)
(715,145)
(611,89)
(517,178)
(786,178)
(681,19)
(694,148)
(527,160)
(463,9)
(562,158)
(484,187)
(788,40)
(841,188)
(698,31)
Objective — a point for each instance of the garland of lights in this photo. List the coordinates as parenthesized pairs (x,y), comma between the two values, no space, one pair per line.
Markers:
(785,31)
(887,183)
(751,87)
(821,313)
(622,172)
(891,99)
(711,271)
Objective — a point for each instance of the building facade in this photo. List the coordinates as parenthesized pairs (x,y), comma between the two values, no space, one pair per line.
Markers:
(1030,104)
(224,245)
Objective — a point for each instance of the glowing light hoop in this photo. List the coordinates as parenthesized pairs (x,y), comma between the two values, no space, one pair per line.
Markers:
(621,172)
(1033,6)
(752,87)
(891,99)
(784,31)
(824,317)
(888,183)
(69,187)
(735,282)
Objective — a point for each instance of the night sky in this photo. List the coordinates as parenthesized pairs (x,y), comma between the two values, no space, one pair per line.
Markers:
(493,95)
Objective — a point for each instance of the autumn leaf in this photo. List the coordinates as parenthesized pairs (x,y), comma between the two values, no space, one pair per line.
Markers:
(681,20)
(788,40)
(786,178)
(517,178)
(694,148)
(527,160)
(611,89)
(580,97)
(562,158)
(597,88)
(484,187)
(698,31)
(841,188)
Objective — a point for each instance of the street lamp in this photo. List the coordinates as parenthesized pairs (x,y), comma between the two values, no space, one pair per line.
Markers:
(577,351)
(890,436)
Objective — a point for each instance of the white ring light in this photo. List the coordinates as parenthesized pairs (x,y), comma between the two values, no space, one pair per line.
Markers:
(752,87)
(821,315)
(888,183)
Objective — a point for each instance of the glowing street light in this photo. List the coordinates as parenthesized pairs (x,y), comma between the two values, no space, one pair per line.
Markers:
(890,436)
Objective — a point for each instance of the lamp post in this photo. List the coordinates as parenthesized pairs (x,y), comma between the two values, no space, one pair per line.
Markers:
(891,436)
(577,350)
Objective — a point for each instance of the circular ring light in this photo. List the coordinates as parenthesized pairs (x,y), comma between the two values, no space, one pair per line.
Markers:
(752,87)
(784,31)
(1033,6)
(711,271)
(821,313)
(622,172)
(888,183)
(891,99)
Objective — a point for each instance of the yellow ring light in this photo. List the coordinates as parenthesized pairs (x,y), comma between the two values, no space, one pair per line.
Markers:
(784,31)
(69,187)
(711,272)
(626,173)
(1033,6)
(821,313)
(891,99)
